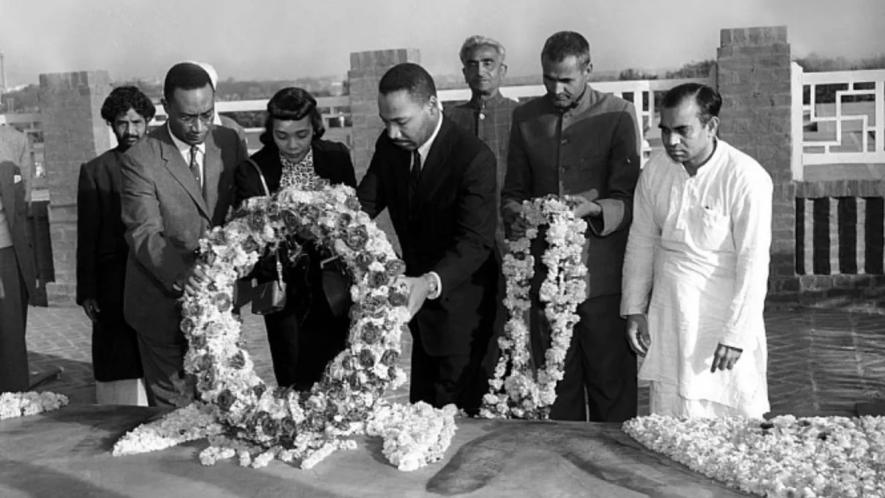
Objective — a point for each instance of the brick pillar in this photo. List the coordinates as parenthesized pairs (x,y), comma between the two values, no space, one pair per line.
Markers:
(754,80)
(73,133)
(366,69)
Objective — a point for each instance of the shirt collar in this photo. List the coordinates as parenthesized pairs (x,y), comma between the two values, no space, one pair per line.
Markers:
(425,147)
(477,102)
(579,105)
(185,147)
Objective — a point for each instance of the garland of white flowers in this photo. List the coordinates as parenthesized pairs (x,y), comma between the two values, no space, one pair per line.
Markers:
(19,404)
(518,389)
(240,415)
(784,456)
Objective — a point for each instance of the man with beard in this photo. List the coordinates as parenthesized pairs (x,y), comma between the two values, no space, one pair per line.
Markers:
(696,270)
(177,183)
(102,253)
(438,183)
(580,143)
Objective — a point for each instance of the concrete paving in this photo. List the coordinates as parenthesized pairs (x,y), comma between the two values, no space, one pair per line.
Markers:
(821,361)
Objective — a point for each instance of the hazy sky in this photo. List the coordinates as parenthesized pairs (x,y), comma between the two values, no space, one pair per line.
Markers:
(280,39)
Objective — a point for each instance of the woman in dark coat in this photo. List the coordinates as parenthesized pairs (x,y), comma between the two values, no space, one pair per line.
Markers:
(306,334)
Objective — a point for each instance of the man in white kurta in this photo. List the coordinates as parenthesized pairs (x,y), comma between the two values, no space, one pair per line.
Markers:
(696,267)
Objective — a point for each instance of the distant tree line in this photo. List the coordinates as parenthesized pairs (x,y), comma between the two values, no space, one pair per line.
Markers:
(27,99)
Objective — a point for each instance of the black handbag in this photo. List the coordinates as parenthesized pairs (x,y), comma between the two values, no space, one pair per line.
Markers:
(268,297)
(336,286)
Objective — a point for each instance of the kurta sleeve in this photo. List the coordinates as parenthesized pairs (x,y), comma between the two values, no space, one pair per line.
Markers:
(751,231)
(645,236)
(88,226)
(623,167)
(517,180)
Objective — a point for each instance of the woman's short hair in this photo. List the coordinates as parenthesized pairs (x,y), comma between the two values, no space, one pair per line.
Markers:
(123,98)
(291,104)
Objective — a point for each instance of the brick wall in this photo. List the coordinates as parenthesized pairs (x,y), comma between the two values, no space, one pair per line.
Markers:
(753,76)
(74,133)
(366,69)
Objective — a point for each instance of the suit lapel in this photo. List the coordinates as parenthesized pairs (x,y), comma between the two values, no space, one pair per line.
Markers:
(401,167)
(179,170)
(434,166)
(212,167)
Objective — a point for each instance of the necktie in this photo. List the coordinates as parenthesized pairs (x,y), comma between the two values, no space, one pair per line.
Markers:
(414,174)
(195,166)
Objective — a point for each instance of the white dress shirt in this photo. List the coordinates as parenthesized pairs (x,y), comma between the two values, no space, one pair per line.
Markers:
(185,149)
(423,150)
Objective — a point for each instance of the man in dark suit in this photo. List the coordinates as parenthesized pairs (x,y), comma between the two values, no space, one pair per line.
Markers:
(177,183)
(102,252)
(438,183)
(18,275)
(578,142)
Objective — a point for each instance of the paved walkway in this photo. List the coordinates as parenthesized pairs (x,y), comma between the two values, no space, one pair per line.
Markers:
(821,361)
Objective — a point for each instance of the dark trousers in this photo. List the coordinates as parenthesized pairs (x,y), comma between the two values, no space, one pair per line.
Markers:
(440,380)
(600,365)
(13,317)
(301,348)
(165,382)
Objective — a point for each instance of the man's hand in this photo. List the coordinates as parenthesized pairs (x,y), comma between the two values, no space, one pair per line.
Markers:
(514,223)
(193,280)
(90,306)
(637,334)
(583,207)
(725,357)
(419,289)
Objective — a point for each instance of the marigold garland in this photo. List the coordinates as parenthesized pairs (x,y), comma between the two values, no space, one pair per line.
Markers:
(518,389)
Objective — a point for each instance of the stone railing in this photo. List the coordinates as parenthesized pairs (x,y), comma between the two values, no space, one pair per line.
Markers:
(336,110)
(838,124)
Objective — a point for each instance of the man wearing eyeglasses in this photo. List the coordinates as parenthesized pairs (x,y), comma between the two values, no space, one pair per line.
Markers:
(177,183)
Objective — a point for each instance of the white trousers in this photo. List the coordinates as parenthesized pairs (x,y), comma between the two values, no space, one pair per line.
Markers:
(121,392)
(664,399)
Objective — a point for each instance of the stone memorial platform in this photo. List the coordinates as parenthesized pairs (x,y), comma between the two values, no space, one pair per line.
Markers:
(68,453)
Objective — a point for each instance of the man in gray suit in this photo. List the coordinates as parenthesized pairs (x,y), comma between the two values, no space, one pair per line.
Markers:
(177,183)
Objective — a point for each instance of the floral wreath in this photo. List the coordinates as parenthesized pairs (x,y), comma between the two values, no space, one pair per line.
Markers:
(525,391)
(239,413)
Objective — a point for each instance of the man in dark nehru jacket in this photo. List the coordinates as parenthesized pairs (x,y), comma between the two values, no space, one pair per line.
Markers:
(438,183)
(102,253)
(575,141)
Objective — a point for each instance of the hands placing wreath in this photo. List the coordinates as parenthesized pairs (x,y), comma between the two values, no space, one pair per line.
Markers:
(420,289)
